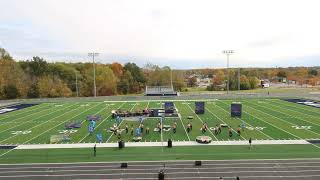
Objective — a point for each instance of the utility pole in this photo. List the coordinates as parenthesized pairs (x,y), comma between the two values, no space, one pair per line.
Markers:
(93,54)
(228,52)
(77,84)
(239,79)
(171,78)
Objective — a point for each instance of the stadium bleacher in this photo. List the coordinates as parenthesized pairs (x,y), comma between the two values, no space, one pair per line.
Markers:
(160,91)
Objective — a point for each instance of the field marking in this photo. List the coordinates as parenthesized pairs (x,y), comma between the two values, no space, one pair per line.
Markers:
(223,121)
(298,106)
(6,152)
(19,124)
(40,123)
(120,124)
(270,123)
(179,115)
(280,128)
(63,122)
(201,121)
(278,104)
(243,120)
(22,112)
(278,117)
(100,123)
(45,109)
(291,115)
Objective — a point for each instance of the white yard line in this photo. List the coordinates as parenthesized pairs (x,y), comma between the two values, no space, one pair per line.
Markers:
(295,107)
(182,122)
(32,120)
(40,123)
(120,123)
(148,104)
(244,121)
(201,121)
(183,126)
(62,122)
(278,117)
(223,122)
(293,111)
(280,128)
(299,106)
(45,109)
(271,124)
(100,124)
(6,152)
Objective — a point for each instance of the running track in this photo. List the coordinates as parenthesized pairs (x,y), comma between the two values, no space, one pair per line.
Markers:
(245,169)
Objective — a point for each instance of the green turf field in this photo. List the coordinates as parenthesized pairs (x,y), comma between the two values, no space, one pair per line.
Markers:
(264,119)
(159,154)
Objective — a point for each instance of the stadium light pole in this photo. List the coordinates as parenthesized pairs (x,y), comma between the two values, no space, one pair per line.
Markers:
(93,54)
(228,52)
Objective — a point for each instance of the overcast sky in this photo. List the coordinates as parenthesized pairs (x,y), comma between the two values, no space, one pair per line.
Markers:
(181,34)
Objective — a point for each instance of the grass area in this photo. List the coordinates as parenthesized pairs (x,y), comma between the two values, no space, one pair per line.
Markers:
(264,119)
(156,154)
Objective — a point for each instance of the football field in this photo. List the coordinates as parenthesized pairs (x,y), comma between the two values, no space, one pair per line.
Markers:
(272,119)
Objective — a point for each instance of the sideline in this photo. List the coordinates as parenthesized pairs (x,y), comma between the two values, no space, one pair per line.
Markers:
(159,144)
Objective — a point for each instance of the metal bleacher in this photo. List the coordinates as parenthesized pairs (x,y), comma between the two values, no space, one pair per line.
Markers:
(160,91)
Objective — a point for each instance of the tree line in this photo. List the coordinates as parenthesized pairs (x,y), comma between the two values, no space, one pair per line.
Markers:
(37,78)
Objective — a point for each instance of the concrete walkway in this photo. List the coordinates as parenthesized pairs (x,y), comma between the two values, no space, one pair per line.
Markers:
(158,144)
